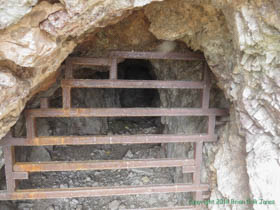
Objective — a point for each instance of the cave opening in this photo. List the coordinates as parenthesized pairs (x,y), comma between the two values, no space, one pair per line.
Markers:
(235,38)
(154,73)
(137,70)
(133,69)
(148,69)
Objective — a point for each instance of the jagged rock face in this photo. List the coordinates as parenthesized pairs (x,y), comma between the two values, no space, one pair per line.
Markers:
(41,40)
(202,27)
(240,40)
(246,60)
(257,27)
(14,10)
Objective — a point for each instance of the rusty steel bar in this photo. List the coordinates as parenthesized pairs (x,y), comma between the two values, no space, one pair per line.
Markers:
(211,124)
(30,126)
(9,158)
(90,61)
(99,165)
(91,83)
(198,161)
(66,97)
(189,169)
(211,129)
(187,56)
(108,139)
(69,70)
(44,103)
(207,87)
(114,69)
(99,191)
(66,91)
(124,112)
(197,173)
(198,197)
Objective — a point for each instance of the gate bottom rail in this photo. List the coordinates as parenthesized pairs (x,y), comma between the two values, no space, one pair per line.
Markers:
(99,191)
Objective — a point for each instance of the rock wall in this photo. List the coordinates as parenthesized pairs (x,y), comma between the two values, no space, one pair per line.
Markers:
(34,48)
(240,40)
(13,11)
(245,62)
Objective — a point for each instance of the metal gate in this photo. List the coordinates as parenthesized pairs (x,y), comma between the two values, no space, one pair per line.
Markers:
(19,170)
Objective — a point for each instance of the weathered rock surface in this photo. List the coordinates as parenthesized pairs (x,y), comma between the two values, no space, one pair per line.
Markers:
(237,41)
(13,10)
(240,40)
(34,53)
(230,166)
(132,33)
(201,27)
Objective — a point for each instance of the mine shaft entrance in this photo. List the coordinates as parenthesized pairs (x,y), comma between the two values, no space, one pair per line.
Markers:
(133,69)
(137,70)
(120,78)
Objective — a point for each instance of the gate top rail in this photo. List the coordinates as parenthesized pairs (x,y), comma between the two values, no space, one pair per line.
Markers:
(186,56)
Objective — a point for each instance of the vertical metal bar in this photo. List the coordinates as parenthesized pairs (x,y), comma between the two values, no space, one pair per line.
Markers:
(211,130)
(211,124)
(30,126)
(66,91)
(66,97)
(199,144)
(44,103)
(9,157)
(69,70)
(114,69)
(198,197)
(197,174)
(198,161)
(206,89)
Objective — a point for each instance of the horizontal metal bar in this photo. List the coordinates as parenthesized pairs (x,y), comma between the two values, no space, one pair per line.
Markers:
(99,191)
(90,61)
(124,112)
(108,139)
(189,169)
(187,56)
(99,165)
(91,83)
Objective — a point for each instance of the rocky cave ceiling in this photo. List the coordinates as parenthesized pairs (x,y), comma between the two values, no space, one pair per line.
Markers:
(240,40)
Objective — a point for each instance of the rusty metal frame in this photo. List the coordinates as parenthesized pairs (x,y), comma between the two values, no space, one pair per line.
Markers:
(19,170)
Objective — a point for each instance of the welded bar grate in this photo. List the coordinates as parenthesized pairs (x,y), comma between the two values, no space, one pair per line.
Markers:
(19,170)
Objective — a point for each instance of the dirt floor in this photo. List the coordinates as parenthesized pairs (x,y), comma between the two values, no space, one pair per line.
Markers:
(104,177)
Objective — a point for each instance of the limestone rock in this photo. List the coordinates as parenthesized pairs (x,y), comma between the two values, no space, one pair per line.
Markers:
(230,165)
(29,48)
(236,39)
(91,14)
(129,34)
(7,79)
(24,43)
(240,40)
(13,10)
(201,27)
